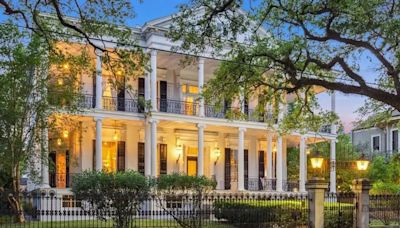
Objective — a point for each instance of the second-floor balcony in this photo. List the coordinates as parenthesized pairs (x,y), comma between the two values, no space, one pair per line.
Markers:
(176,107)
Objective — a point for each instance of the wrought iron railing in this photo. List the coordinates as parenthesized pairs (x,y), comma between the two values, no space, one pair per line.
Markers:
(178,107)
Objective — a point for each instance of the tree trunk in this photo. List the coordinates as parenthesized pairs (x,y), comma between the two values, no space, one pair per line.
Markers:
(14,199)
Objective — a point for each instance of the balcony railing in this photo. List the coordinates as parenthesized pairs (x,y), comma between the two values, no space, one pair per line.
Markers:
(112,104)
(178,107)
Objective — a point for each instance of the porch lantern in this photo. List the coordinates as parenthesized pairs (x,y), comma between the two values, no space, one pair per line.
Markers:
(65,134)
(59,142)
(217,154)
(178,151)
(362,163)
(317,160)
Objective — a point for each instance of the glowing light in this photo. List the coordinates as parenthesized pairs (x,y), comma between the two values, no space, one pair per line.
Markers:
(65,134)
(317,161)
(178,151)
(66,66)
(60,81)
(116,136)
(119,73)
(362,163)
(59,142)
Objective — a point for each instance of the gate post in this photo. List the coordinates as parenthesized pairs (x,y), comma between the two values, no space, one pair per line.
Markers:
(316,188)
(361,189)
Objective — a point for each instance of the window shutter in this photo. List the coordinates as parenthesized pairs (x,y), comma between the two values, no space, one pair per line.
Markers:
(121,156)
(94,155)
(246,169)
(261,167)
(141,92)
(163,96)
(94,91)
(163,158)
(141,158)
(121,95)
(227,169)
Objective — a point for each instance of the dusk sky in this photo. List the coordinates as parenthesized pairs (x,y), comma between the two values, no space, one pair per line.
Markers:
(345,104)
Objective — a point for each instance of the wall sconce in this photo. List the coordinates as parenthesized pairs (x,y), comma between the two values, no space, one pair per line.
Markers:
(65,66)
(65,134)
(217,154)
(308,151)
(179,151)
(60,81)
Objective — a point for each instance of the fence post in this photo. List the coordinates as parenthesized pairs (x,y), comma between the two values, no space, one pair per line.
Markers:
(316,196)
(361,188)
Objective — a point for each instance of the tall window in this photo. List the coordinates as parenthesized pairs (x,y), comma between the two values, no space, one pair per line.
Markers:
(141,158)
(376,143)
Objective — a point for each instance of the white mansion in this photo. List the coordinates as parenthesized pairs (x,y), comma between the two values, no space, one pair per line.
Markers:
(182,134)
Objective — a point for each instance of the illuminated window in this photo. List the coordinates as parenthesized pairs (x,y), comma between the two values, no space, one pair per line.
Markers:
(193,89)
(183,88)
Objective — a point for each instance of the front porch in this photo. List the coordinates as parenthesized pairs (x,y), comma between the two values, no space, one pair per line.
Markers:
(238,158)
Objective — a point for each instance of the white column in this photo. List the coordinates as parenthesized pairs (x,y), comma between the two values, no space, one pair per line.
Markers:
(99,153)
(201,84)
(147,149)
(45,159)
(303,164)
(153,65)
(153,148)
(269,162)
(241,159)
(332,178)
(279,164)
(99,80)
(200,157)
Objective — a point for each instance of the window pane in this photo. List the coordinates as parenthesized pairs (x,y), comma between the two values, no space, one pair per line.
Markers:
(193,89)
(395,140)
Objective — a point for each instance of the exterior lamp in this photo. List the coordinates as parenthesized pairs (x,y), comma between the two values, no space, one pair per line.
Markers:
(217,154)
(65,134)
(308,151)
(179,151)
(66,66)
(60,81)
(317,160)
(362,163)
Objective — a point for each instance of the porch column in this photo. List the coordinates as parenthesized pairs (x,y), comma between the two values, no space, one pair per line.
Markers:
(303,164)
(153,148)
(99,153)
(269,162)
(200,157)
(44,160)
(279,164)
(241,159)
(99,80)
(147,149)
(332,178)
(201,84)
(153,65)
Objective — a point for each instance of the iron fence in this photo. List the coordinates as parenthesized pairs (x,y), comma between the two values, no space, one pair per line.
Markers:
(384,209)
(160,210)
(339,210)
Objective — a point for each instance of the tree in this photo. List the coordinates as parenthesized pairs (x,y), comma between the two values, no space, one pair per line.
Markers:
(122,192)
(291,46)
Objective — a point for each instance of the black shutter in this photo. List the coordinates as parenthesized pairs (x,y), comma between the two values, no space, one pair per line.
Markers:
(121,95)
(94,92)
(141,92)
(121,156)
(395,140)
(227,168)
(227,105)
(52,170)
(261,167)
(246,169)
(163,158)
(141,158)
(67,159)
(246,106)
(94,155)
(163,96)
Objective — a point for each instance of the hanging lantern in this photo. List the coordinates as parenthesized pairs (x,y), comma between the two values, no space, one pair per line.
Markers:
(362,163)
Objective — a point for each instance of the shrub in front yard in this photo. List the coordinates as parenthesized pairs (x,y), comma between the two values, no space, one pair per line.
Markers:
(120,192)
(281,213)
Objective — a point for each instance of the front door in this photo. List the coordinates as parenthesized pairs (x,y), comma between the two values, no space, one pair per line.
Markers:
(191,166)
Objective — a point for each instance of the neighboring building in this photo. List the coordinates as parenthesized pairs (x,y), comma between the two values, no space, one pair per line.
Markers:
(382,139)
(182,134)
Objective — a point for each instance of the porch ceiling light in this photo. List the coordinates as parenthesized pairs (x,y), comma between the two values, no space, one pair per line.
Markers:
(362,163)
(317,160)
(59,142)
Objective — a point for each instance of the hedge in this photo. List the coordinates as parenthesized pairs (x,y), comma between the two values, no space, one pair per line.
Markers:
(282,213)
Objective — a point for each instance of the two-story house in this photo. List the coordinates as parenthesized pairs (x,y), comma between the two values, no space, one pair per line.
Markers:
(182,134)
